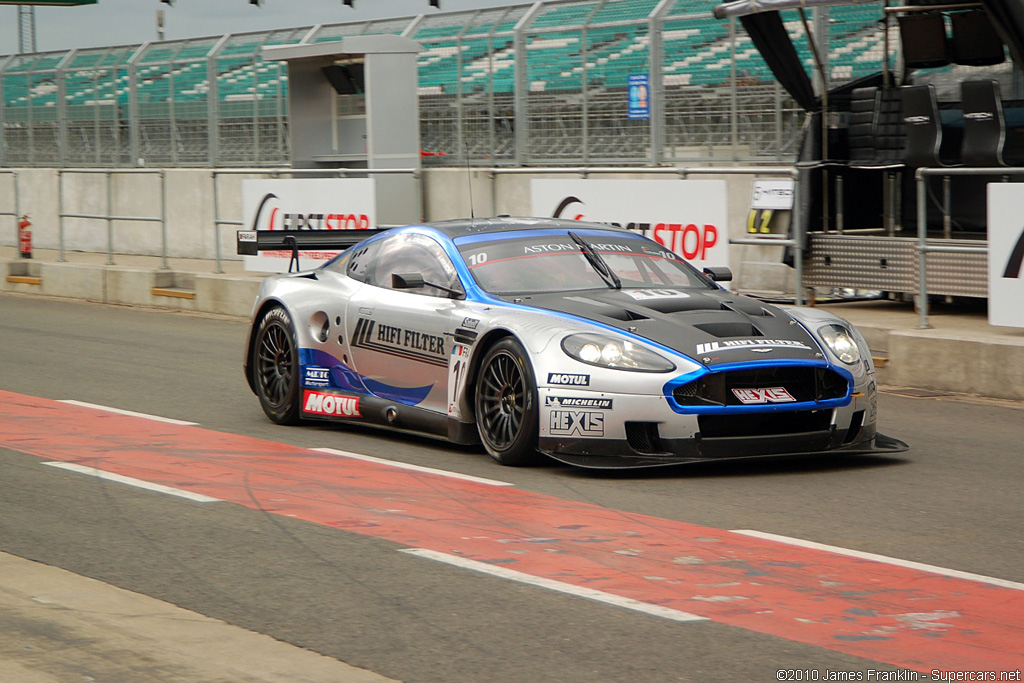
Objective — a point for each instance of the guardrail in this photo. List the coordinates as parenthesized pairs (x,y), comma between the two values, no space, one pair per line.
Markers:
(218,221)
(109,216)
(923,247)
(796,241)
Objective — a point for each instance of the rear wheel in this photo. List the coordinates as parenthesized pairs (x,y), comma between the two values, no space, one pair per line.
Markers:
(506,405)
(275,367)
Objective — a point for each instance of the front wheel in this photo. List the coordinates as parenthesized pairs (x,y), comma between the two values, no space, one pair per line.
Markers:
(275,367)
(506,405)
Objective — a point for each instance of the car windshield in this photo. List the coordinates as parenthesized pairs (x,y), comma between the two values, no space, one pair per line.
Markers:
(536,264)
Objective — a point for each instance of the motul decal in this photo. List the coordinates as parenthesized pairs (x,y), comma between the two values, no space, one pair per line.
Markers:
(568,379)
(335,405)
(770,395)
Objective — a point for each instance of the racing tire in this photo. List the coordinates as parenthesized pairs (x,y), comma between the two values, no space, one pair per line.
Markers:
(275,367)
(506,405)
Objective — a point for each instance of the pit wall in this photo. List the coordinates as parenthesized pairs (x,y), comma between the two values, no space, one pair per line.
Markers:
(190,209)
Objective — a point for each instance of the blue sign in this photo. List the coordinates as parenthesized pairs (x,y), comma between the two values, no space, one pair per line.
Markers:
(639,96)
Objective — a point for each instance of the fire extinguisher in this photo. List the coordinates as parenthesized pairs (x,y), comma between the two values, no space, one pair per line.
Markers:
(25,237)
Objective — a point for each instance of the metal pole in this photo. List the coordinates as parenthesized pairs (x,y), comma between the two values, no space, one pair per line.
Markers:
(840,222)
(947,218)
(216,224)
(60,207)
(922,245)
(798,248)
(163,220)
(734,127)
(17,204)
(26,30)
(110,218)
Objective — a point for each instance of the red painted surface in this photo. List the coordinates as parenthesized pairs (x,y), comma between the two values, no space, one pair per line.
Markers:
(902,616)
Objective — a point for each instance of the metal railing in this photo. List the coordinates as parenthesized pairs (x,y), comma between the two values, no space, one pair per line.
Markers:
(16,214)
(110,217)
(923,246)
(510,85)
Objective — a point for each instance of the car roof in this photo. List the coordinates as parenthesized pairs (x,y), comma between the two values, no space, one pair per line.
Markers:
(461,227)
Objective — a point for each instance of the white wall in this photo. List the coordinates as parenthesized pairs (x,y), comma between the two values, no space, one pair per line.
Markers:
(191,232)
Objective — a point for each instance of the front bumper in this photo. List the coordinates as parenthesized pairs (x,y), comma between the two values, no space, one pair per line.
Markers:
(613,431)
(621,454)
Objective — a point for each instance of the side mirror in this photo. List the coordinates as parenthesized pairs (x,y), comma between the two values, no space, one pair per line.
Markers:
(407,281)
(719,273)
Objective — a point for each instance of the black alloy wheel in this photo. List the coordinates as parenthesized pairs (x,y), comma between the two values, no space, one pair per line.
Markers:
(506,405)
(275,367)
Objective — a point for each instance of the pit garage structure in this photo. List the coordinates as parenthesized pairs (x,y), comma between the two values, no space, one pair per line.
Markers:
(353,105)
(894,165)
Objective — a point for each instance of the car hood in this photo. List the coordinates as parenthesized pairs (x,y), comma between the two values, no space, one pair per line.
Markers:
(713,326)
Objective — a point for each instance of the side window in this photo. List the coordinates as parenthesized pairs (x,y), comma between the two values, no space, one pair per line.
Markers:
(360,261)
(412,253)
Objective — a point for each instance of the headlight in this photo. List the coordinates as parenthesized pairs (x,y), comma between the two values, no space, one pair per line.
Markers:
(606,351)
(841,343)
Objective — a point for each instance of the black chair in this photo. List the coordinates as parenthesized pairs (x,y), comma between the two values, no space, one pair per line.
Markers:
(875,136)
(984,126)
(861,133)
(875,144)
(923,126)
(975,40)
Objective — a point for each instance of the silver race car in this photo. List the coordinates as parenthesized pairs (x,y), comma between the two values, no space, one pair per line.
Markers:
(591,344)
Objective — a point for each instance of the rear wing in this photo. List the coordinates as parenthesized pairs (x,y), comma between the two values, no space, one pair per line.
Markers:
(252,242)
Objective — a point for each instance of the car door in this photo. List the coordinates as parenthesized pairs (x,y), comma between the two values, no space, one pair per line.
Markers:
(400,339)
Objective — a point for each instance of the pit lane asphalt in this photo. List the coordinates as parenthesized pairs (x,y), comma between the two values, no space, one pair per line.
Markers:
(951,501)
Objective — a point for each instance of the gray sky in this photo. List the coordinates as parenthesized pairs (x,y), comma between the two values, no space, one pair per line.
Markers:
(124,22)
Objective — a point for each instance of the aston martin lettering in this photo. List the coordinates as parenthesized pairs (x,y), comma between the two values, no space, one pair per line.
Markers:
(330,404)
(647,294)
(398,341)
(576,423)
(541,248)
(569,380)
(760,396)
(578,402)
(317,377)
(750,344)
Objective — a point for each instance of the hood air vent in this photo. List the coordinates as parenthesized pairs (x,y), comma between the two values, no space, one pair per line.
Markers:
(730,329)
(624,314)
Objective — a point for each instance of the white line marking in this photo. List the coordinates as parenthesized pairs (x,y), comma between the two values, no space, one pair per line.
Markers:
(131,481)
(417,468)
(955,573)
(129,413)
(559,586)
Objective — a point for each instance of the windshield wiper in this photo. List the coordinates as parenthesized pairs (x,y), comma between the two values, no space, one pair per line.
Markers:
(599,263)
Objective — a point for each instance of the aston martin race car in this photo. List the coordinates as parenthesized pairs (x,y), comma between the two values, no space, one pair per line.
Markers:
(588,343)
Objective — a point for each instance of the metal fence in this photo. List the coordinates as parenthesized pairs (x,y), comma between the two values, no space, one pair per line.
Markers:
(542,84)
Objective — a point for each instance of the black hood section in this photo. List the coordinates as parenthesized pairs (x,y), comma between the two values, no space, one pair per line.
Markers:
(712,326)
